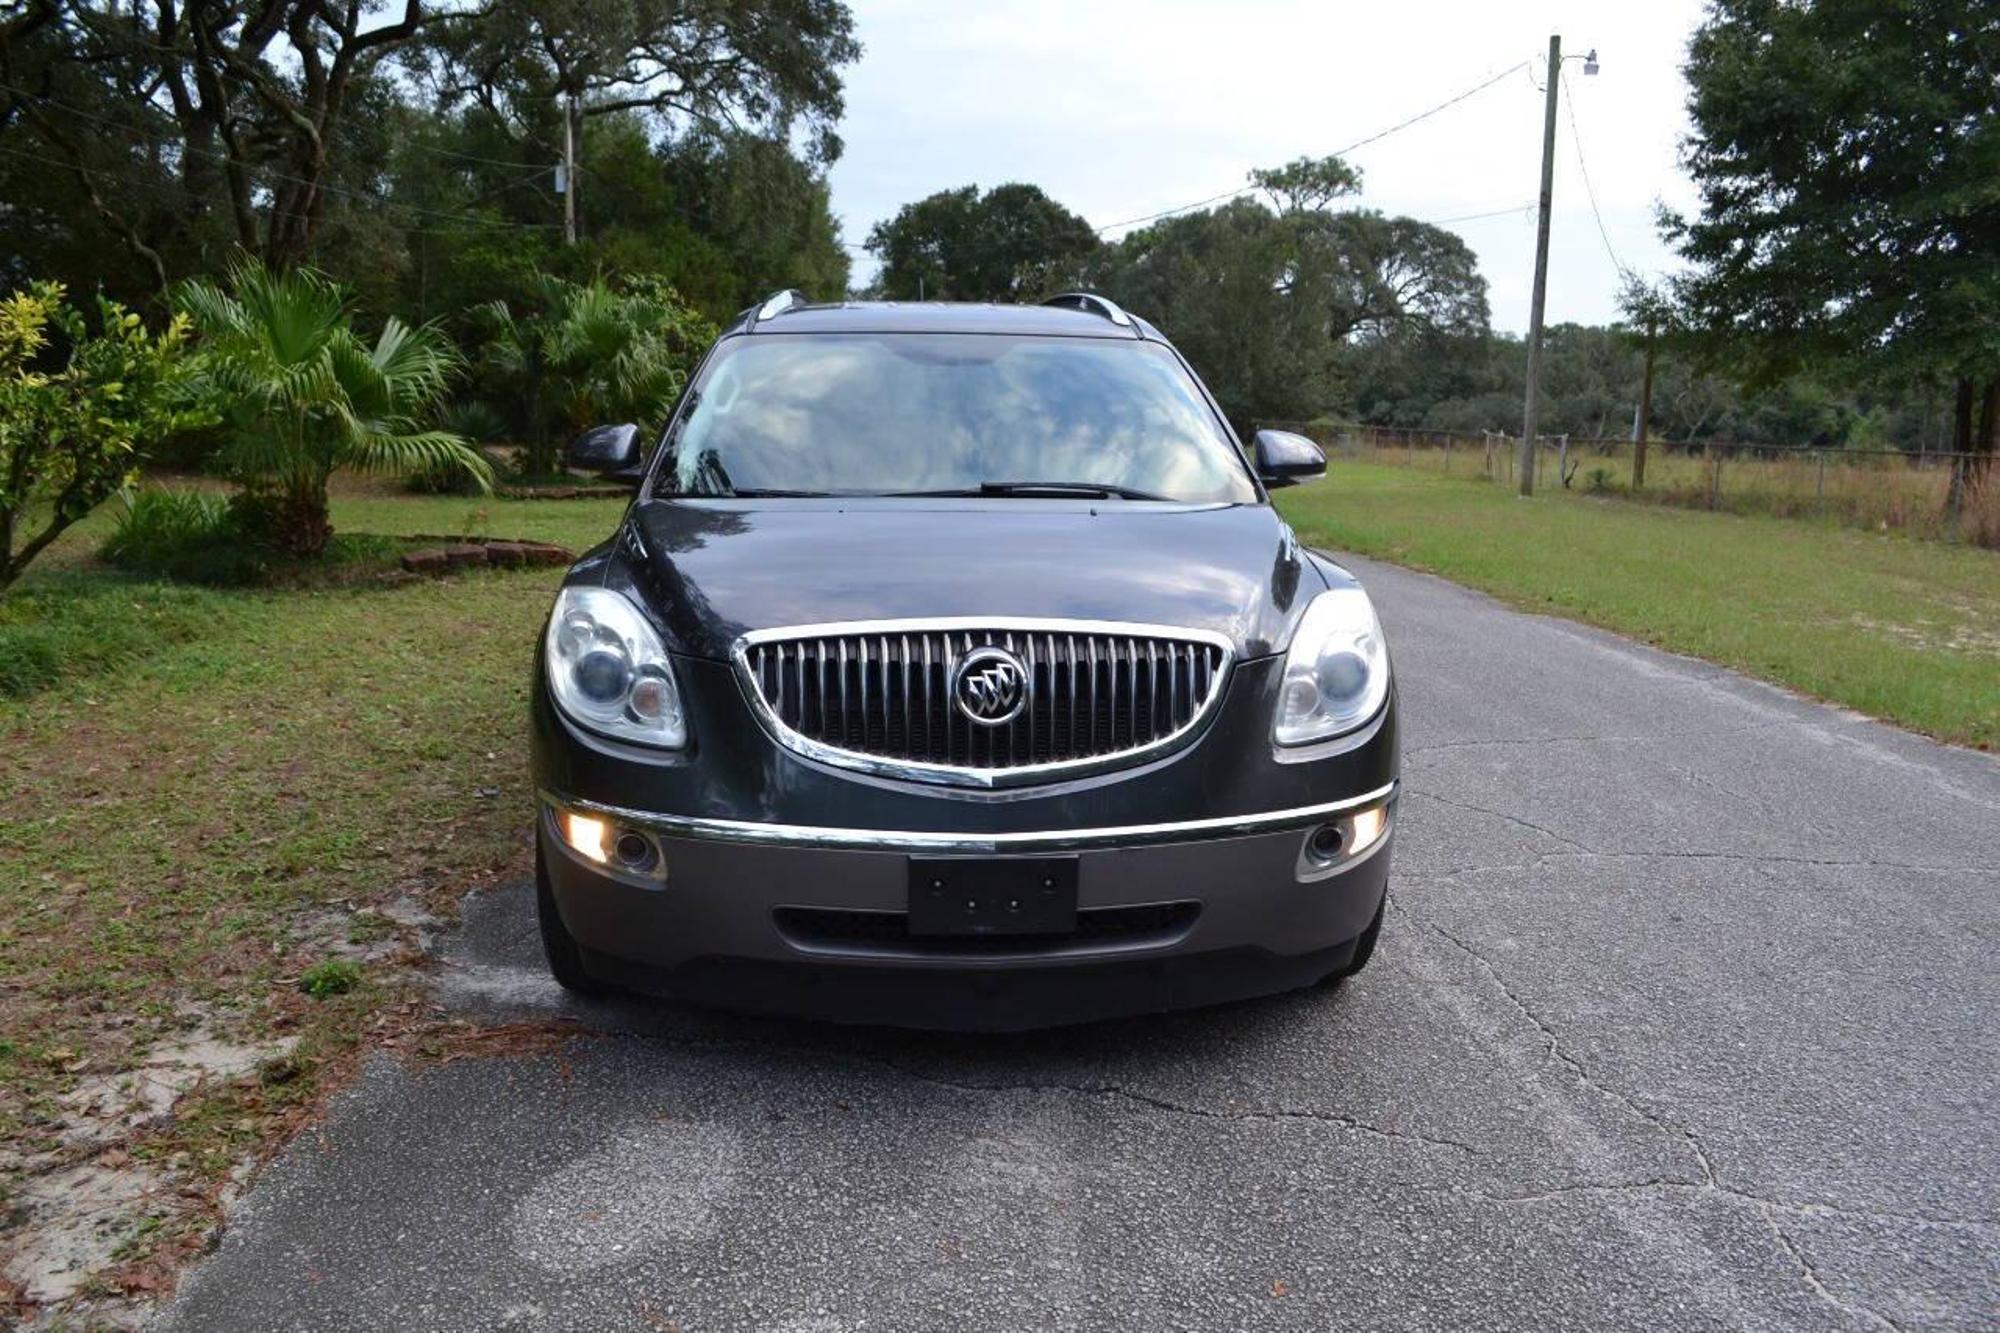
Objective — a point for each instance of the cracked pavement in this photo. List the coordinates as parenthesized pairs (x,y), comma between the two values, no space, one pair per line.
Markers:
(1684,1017)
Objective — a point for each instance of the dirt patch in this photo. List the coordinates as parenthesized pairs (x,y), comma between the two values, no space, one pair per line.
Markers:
(448,1041)
(73,1224)
(1966,637)
(97,1233)
(103,1108)
(84,1207)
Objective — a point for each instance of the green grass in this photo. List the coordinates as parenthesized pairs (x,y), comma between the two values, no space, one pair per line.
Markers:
(1873,491)
(211,797)
(69,625)
(73,618)
(1899,629)
(578,524)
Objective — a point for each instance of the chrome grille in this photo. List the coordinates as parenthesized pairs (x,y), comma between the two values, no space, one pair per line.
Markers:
(879,696)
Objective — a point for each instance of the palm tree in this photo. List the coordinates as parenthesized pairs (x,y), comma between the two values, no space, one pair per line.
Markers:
(591,355)
(308,396)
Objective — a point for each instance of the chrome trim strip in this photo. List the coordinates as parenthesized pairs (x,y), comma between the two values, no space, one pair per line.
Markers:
(958,775)
(778,304)
(1093,303)
(926,842)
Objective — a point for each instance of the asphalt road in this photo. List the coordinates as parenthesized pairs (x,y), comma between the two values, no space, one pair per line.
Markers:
(1685,1016)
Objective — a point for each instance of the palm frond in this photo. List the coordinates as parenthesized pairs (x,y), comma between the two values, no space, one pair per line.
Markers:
(418,451)
(292,313)
(214,311)
(417,363)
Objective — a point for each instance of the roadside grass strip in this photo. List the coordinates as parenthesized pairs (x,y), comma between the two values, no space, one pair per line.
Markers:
(1903,630)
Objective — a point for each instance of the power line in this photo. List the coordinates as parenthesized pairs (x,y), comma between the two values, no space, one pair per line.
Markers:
(465,157)
(1184,208)
(1589,190)
(160,189)
(273,174)
(1426,115)
(1379,135)
(1474,217)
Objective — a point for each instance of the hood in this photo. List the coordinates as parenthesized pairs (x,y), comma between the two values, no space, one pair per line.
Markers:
(714,569)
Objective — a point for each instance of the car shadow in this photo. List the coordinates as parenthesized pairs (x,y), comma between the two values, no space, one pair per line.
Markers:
(492,970)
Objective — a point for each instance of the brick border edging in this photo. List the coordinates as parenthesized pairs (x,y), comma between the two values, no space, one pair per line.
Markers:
(565,492)
(464,552)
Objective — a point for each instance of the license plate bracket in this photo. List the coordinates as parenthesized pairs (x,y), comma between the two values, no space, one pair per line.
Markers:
(983,895)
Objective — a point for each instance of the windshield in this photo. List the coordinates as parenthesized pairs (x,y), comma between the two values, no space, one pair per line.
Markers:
(878,414)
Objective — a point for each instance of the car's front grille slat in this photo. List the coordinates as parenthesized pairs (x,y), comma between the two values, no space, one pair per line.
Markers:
(887,694)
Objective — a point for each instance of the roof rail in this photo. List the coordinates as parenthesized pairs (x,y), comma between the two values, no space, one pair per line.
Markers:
(779,303)
(1092,303)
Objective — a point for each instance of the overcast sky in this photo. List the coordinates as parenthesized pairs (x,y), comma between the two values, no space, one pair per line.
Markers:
(1124,107)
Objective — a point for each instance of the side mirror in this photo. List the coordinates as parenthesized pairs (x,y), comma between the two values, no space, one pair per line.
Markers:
(1285,459)
(613,450)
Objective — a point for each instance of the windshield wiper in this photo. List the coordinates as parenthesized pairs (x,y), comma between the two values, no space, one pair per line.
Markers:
(768,493)
(1089,490)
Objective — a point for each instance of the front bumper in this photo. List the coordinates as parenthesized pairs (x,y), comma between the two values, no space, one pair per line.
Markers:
(809,920)
(752,834)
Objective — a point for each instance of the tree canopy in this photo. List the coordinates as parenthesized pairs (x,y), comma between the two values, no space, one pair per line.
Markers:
(383,140)
(1848,162)
(1275,308)
(762,66)
(1010,243)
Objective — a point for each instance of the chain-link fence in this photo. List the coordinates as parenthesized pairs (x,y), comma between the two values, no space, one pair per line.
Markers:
(1885,489)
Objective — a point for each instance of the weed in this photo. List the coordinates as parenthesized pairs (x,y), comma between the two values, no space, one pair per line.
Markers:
(334,976)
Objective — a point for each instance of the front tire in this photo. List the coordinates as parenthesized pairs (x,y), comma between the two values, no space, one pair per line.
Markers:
(564,954)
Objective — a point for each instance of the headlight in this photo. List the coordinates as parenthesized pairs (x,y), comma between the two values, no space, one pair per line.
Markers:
(609,671)
(1337,672)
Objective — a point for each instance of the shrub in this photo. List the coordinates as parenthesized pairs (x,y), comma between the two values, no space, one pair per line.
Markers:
(194,536)
(79,412)
(157,522)
(585,354)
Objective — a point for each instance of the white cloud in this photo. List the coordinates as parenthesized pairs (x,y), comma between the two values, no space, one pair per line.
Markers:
(1122,107)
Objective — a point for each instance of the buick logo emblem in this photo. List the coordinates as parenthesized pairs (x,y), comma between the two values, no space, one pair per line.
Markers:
(991,686)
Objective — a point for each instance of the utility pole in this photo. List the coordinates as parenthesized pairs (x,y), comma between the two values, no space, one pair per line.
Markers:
(1532,409)
(572,115)
(1642,425)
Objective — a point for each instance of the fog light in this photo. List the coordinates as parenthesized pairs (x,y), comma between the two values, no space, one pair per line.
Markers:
(585,833)
(1326,842)
(634,850)
(1332,847)
(1365,828)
